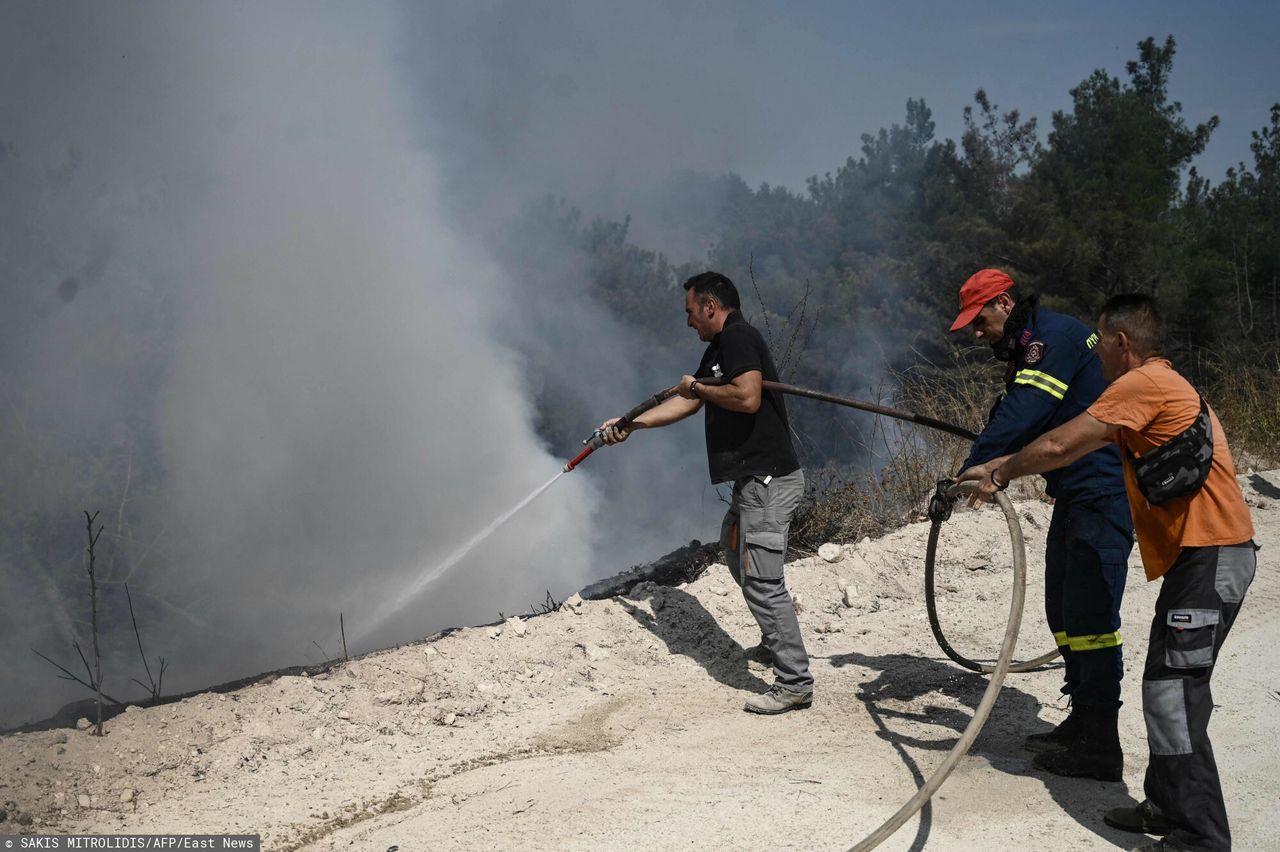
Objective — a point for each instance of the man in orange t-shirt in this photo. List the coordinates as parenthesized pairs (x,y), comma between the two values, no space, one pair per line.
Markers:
(1201,544)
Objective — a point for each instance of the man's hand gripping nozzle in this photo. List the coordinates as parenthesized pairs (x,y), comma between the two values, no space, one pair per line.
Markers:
(596,440)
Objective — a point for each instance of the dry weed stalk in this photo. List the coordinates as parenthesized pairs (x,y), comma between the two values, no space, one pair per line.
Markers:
(794,322)
(67,675)
(342,627)
(93,673)
(153,684)
(549,605)
(93,603)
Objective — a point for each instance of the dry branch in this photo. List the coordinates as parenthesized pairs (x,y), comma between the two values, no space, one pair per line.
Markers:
(93,601)
(153,684)
(66,675)
(343,628)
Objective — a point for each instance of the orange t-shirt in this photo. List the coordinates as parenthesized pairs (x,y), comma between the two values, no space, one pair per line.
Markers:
(1152,404)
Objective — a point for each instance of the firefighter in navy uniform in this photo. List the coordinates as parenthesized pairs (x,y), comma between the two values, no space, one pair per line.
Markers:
(1053,375)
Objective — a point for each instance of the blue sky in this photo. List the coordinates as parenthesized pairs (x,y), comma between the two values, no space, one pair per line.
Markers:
(599,103)
(1028,56)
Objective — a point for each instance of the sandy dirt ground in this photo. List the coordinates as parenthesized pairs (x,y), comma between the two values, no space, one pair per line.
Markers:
(617,724)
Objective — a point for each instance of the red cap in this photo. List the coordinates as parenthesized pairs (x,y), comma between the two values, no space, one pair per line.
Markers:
(983,286)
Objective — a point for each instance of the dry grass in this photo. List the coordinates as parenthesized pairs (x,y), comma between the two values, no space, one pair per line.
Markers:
(1245,394)
(845,505)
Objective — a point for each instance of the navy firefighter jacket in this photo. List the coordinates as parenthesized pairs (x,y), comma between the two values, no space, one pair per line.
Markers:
(1054,376)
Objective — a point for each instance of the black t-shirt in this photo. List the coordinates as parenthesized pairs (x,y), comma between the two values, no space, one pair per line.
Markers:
(739,444)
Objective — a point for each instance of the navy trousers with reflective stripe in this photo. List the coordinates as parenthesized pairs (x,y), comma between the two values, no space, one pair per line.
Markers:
(1199,599)
(1086,561)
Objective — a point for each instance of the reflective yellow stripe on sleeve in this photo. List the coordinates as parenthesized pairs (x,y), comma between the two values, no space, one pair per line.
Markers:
(1042,381)
(1060,638)
(1094,643)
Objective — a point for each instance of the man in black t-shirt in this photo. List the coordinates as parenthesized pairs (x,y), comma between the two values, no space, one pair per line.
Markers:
(748,444)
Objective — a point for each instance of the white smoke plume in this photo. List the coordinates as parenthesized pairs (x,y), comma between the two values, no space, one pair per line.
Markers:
(238,324)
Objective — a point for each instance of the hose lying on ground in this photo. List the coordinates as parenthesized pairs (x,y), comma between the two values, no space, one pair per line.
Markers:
(931,604)
(930,596)
(998,672)
(947,492)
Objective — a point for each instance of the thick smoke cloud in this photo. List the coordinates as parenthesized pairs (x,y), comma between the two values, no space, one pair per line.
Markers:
(264,304)
(624,112)
(237,324)
(606,104)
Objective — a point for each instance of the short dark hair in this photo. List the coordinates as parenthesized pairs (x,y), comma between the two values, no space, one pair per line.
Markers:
(716,285)
(1137,316)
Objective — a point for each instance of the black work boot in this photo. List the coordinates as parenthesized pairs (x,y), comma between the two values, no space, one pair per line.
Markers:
(1095,753)
(1059,738)
(1144,818)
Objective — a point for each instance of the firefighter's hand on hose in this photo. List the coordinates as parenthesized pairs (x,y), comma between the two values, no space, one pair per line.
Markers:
(612,434)
(985,476)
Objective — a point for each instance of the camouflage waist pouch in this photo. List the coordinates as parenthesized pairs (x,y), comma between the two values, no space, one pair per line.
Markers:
(1179,466)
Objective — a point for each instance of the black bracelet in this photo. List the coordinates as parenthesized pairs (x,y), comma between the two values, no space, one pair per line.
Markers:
(693,384)
(996,482)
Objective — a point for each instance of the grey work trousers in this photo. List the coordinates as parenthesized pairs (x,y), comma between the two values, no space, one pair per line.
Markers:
(754,535)
(1200,597)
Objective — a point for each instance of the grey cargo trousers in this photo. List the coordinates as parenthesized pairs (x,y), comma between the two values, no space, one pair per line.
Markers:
(754,536)
(1200,597)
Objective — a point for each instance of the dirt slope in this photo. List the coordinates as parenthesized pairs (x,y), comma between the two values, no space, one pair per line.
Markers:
(617,724)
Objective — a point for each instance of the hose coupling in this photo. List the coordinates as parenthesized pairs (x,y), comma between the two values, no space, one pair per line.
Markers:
(942,501)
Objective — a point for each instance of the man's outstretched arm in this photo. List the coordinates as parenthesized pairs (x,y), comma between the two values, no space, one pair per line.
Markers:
(1077,437)
(670,411)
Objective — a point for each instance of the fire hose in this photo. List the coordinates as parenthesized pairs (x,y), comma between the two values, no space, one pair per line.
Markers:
(940,506)
(596,440)
(1002,667)
(939,512)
